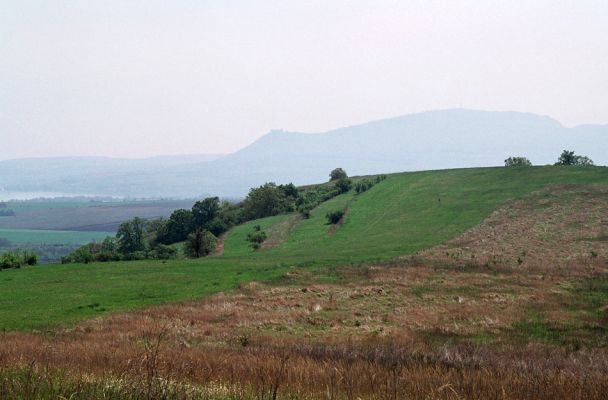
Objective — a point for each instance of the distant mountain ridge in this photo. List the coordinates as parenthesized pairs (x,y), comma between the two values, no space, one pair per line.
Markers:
(430,140)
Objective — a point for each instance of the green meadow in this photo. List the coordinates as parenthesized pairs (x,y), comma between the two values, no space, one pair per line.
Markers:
(403,214)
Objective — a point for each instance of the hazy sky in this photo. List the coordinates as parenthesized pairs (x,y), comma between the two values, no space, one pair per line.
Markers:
(139,78)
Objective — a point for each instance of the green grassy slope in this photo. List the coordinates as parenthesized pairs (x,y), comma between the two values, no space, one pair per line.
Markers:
(400,215)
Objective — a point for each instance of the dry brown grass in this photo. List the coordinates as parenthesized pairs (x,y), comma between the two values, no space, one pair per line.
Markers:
(558,230)
(452,322)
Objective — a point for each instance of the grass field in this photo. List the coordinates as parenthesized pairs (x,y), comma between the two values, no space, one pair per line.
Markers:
(401,215)
(33,236)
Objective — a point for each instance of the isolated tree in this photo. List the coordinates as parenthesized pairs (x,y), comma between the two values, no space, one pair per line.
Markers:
(200,243)
(337,174)
(517,162)
(569,158)
(130,236)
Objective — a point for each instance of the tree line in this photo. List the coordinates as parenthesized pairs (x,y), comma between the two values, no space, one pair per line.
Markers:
(200,226)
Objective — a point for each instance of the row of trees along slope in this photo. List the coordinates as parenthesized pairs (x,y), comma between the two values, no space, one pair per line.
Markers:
(199,227)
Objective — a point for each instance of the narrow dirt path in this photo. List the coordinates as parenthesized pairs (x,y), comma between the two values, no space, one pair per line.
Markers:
(219,248)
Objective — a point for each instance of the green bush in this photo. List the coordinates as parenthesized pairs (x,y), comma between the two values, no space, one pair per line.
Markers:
(256,238)
(363,186)
(200,243)
(343,185)
(134,256)
(517,162)
(10,260)
(30,258)
(337,174)
(569,158)
(334,217)
(163,252)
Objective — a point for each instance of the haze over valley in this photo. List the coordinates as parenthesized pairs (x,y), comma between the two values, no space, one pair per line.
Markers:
(431,140)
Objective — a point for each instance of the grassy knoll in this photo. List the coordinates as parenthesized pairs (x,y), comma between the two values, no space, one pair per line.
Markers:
(403,214)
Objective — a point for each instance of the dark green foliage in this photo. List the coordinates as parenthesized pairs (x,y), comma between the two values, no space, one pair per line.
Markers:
(256,238)
(265,201)
(226,218)
(312,197)
(156,230)
(200,243)
(18,259)
(29,258)
(130,236)
(134,256)
(380,178)
(363,185)
(179,225)
(337,174)
(162,252)
(517,162)
(204,211)
(569,158)
(290,190)
(333,217)
(343,185)
(10,260)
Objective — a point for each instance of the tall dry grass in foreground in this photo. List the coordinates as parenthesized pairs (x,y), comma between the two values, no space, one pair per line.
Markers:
(276,369)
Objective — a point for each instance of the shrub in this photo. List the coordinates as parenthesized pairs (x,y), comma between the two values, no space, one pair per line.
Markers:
(343,185)
(200,243)
(517,162)
(30,258)
(81,255)
(569,158)
(334,217)
(136,255)
(163,252)
(256,238)
(363,186)
(312,197)
(380,178)
(10,260)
